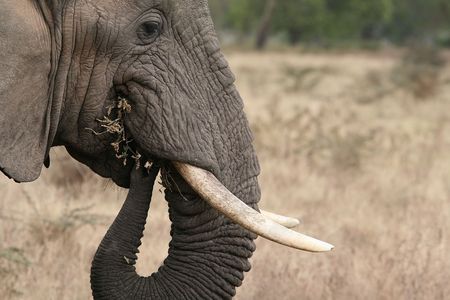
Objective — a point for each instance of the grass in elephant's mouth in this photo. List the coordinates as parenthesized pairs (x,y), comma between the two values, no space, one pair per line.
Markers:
(113,124)
(123,144)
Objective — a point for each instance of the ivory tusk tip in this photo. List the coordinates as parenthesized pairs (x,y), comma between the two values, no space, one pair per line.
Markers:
(287,222)
(329,248)
(325,247)
(292,223)
(311,244)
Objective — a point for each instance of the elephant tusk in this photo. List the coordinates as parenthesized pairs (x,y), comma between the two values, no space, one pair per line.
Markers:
(218,196)
(282,220)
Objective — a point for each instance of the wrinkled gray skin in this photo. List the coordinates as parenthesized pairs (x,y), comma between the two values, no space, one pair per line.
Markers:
(63,62)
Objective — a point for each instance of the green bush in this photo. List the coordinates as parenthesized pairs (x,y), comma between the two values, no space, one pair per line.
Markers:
(327,21)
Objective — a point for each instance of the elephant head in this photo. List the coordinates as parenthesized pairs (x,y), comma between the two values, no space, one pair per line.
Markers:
(140,80)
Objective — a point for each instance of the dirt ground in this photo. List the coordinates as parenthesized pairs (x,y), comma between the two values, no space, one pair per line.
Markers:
(356,145)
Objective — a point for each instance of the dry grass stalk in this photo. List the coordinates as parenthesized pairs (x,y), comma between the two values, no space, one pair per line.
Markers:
(113,124)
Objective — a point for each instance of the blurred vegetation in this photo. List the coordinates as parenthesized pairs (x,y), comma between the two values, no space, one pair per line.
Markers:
(330,23)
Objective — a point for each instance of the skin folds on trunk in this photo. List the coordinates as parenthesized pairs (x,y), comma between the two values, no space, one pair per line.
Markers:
(113,275)
(207,255)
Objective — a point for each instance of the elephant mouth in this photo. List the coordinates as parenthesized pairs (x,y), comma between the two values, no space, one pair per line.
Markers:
(196,183)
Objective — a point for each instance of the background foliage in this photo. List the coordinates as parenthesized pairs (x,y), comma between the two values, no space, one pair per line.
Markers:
(329,22)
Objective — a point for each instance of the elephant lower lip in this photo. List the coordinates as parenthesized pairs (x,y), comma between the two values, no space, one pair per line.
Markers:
(170,179)
(175,184)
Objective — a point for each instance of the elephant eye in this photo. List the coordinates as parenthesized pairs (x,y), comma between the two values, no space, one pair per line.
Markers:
(149,31)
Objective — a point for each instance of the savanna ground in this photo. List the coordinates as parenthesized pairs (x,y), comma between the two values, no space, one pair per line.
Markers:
(357,145)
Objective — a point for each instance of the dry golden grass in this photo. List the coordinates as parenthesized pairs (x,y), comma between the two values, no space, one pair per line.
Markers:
(356,145)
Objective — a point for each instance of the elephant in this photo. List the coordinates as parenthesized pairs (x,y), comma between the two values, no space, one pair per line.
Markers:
(126,86)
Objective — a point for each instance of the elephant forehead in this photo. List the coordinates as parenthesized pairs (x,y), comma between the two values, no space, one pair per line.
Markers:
(188,10)
(188,4)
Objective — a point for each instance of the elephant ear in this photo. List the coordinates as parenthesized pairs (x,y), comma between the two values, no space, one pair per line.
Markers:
(25,68)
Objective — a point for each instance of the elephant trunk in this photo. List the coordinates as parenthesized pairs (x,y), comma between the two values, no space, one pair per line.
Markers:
(113,274)
(208,254)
